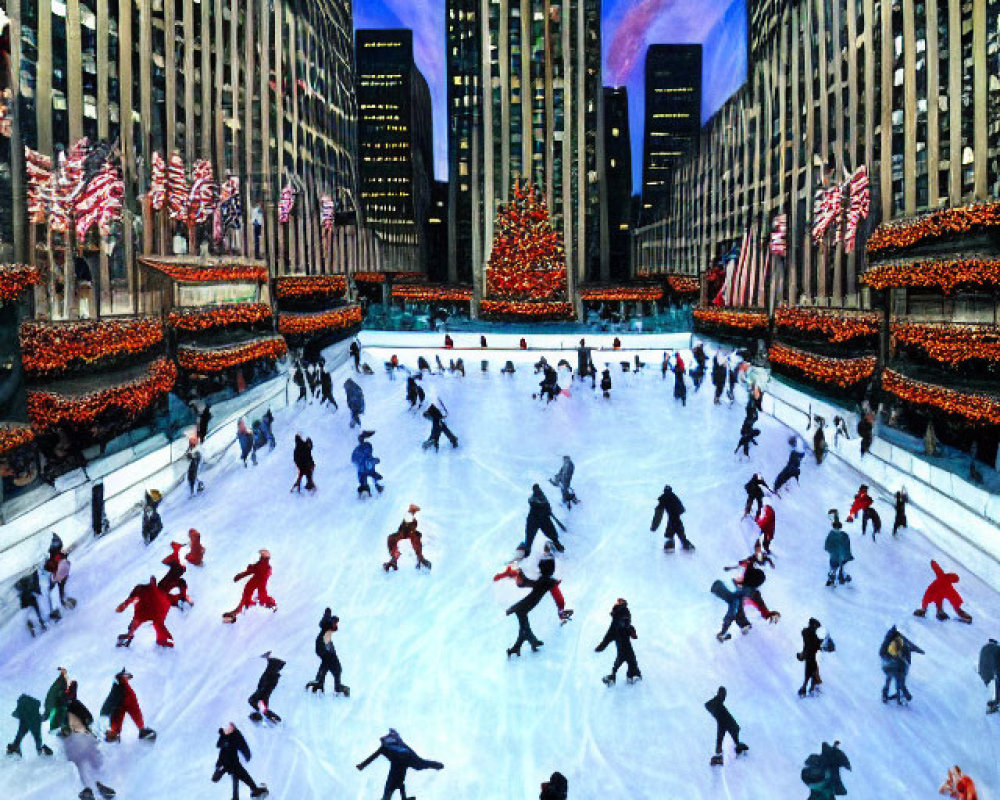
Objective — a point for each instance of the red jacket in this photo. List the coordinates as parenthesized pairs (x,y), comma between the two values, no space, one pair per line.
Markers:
(942,587)
(862,500)
(151,602)
(766,522)
(196,552)
(259,571)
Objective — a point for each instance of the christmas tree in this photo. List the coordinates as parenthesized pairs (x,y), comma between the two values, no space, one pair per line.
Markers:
(526,275)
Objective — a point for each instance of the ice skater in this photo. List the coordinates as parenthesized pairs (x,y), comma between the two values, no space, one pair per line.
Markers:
(698,373)
(364,460)
(231,746)
(819,437)
(122,701)
(556,787)
(355,352)
(758,560)
(896,652)
(56,575)
(304,464)
(407,532)
(765,523)
(754,489)
(821,773)
(547,568)
(752,579)
(259,573)
(989,670)
(196,551)
(718,376)
(670,504)
(621,632)
(724,723)
(80,748)
(415,394)
(57,700)
(151,522)
(680,387)
(438,426)
(812,643)
(549,386)
(151,605)
(863,505)
(244,437)
(943,588)
(260,700)
(326,389)
(540,517)
(866,431)
(899,501)
(539,587)
(958,785)
(792,468)
(401,758)
(838,547)
(562,479)
(28,713)
(29,597)
(748,436)
(606,382)
(173,582)
(329,663)
(194,459)
(355,401)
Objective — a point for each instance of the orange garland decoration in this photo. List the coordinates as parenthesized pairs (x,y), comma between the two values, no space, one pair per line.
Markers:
(47,409)
(618,294)
(287,287)
(217,273)
(203,319)
(53,348)
(381,277)
(975,408)
(13,436)
(540,310)
(15,278)
(742,321)
(194,359)
(430,293)
(893,236)
(842,372)
(334,319)
(683,284)
(950,342)
(945,274)
(835,325)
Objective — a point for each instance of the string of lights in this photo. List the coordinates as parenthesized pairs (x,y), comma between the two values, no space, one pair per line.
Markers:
(539,310)
(950,343)
(216,273)
(309,287)
(896,236)
(741,321)
(835,325)
(14,435)
(946,274)
(842,372)
(15,278)
(626,294)
(432,294)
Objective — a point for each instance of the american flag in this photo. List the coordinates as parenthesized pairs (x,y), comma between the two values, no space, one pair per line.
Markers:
(65,185)
(158,182)
(39,171)
(286,203)
(100,201)
(229,212)
(202,197)
(826,211)
(859,206)
(177,187)
(326,212)
(779,229)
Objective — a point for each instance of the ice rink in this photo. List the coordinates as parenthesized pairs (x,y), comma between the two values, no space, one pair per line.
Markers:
(425,652)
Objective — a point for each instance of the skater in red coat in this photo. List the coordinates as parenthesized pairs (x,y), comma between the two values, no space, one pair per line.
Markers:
(196,553)
(173,582)
(943,588)
(407,531)
(121,700)
(766,524)
(258,573)
(151,605)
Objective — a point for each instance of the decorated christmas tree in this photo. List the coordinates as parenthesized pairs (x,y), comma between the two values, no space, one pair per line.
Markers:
(526,275)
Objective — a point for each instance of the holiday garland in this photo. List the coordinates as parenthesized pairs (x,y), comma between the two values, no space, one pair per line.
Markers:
(216,273)
(223,316)
(15,278)
(618,294)
(537,310)
(14,435)
(334,319)
(974,408)
(743,321)
(834,325)
(47,409)
(842,372)
(195,359)
(945,274)
(49,349)
(300,287)
(428,293)
(950,343)
(381,277)
(683,284)
(895,236)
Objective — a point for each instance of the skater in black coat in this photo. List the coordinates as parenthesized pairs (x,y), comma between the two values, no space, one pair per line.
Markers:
(901,500)
(267,683)
(754,488)
(865,431)
(355,352)
(680,387)
(540,518)
(621,632)
(299,379)
(792,467)
(555,788)
(414,391)
(583,361)
(438,426)
(562,479)
(989,670)
(401,758)
(328,661)
(812,643)
(203,420)
(231,745)
(724,723)
(539,588)
(302,456)
(29,590)
(326,387)
(670,504)
(718,377)
(549,387)
(748,436)
(355,401)
(606,382)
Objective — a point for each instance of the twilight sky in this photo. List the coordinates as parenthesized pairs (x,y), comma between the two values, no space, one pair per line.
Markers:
(629,26)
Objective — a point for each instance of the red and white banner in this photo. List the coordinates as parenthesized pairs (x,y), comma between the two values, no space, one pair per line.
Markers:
(177,187)
(158,182)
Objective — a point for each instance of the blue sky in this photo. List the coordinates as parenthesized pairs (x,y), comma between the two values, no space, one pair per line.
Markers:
(629,26)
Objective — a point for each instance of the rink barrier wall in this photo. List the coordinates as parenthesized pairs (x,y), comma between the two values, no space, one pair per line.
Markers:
(960,518)
(126,476)
(468,342)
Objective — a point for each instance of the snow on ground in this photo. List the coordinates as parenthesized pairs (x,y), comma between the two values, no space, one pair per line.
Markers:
(425,653)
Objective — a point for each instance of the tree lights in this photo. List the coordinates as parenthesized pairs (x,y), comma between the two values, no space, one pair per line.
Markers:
(334,319)
(224,316)
(895,236)
(49,409)
(950,343)
(945,274)
(837,326)
(533,309)
(842,372)
(309,287)
(976,409)
(14,279)
(49,349)
(195,359)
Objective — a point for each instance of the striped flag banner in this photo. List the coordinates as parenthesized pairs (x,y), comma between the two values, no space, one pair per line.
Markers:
(859,205)
(779,232)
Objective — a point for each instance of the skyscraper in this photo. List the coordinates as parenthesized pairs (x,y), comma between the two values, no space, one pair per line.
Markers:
(538,121)
(394,146)
(673,119)
(618,169)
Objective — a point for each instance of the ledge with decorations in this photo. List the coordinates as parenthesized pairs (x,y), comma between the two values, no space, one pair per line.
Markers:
(312,309)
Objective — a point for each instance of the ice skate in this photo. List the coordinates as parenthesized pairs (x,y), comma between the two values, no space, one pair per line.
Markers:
(964,616)
(774,617)
(106,791)
(44,750)
(344,690)
(741,748)
(256,716)
(845,579)
(942,614)
(565,615)
(609,680)
(634,678)
(55,615)
(13,750)
(535,645)
(147,734)
(390,565)
(124,640)
(830,581)
(423,563)
(802,692)
(716,760)
(687,546)
(511,651)
(723,637)
(229,618)
(260,791)
(992,706)
(745,629)
(920,612)
(364,490)
(271,716)
(669,546)
(315,687)
(111,737)
(86,794)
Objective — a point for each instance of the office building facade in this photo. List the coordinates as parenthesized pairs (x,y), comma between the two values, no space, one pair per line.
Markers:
(618,171)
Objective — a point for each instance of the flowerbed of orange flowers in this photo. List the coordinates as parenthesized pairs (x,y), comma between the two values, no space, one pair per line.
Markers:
(950,342)
(204,319)
(683,284)
(13,436)
(334,319)
(431,293)
(835,325)
(842,372)
(217,359)
(301,287)
(217,273)
(748,321)
(895,236)
(54,348)
(381,277)
(15,278)
(945,274)
(47,409)
(537,310)
(617,294)
(975,408)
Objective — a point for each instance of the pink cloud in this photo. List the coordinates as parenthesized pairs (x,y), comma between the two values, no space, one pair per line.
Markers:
(628,41)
